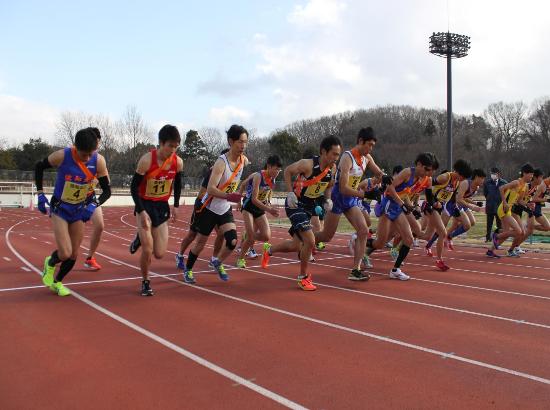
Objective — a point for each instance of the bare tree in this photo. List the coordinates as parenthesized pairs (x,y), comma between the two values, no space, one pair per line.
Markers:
(134,135)
(68,125)
(508,123)
(214,141)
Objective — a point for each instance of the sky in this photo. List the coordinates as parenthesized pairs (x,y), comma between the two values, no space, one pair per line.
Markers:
(262,64)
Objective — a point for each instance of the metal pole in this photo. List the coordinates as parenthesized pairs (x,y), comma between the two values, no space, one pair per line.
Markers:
(449,115)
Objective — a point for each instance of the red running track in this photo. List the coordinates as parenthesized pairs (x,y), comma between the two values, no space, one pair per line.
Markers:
(473,337)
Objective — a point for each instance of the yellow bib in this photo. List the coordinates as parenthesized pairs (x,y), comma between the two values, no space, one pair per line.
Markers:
(232,187)
(316,190)
(353,181)
(158,187)
(264,195)
(74,193)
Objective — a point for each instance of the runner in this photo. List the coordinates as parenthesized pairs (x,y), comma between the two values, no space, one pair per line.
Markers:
(215,209)
(511,193)
(314,180)
(259,190)
(158,172)
(77,167)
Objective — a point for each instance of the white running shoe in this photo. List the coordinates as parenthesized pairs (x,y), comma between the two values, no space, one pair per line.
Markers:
(252,254)
(519,250)
(397,274)
(367,264)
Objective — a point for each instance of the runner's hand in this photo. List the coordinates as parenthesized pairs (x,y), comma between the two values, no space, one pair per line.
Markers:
(42,202)
(292,200)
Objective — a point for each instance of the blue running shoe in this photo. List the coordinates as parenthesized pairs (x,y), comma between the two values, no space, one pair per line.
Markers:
(492,254)
(220,269)
(180,261)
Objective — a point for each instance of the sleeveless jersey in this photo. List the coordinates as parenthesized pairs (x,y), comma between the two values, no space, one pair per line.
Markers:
(265,189)
(444,192)
(403,189)
(358,165)
(307,195)
(220,205)
(72,184)
(512,195)
(157,183)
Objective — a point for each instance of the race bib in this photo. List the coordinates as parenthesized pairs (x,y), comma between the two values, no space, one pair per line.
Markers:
(316,190)
(264,195)
(157,188)
(232,187)
(74,193)
(353,181)
(444,195)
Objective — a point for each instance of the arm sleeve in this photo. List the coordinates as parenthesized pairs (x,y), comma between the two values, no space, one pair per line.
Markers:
(105,189)
(429,196)
(134,190)
(177,189)
(39,173)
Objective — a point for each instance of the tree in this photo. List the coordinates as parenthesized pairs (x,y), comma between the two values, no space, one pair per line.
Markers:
(68,125)
(285,145)
(430,129)
(507,122)
(134,135)
(30,153)
(7,161)
(214,142)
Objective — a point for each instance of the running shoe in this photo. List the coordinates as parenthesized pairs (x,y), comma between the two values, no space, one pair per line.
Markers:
(91,263)
(449,244)
(512,253)
(266,255)
(441,265)
(188,276)
(357,275)
(492,254)
(180,261)
(396,273)
(428,250)
(220,269)
(351,243)
(320,246)
(241,263)
(146,289)
(48,272)
(520,251)
(251,254)
(394,253)
(367,264)
(61,290)
(134,246)
(306,283)
(495,240)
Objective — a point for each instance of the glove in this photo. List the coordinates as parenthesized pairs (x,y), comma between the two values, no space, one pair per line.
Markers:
(427,208)
(416,213)
(327,206)
(42,202)
(234,197)
(292,200)
(479,203)
(387,180)
(89,211)
(406,209)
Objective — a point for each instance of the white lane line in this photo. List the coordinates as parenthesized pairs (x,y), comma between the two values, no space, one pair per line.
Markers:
(352,330)
(25,268)
(197,359)
(114,263)
(6,259)
(32,237)
(415,302)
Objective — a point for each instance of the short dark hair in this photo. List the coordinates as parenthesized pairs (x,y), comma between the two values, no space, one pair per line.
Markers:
(462,168)
(328,142)
(495,170)
(538,173)
(169,133)
(478,172)
(527,169)
(96,132)
(274,161)
(435,162)
(234,132)
(366,134)
(224,151)
(425,159)
(86,140)
(397,169)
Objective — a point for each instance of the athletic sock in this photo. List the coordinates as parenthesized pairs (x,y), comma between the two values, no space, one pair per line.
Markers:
(403,252)
(191,259)
(65,268)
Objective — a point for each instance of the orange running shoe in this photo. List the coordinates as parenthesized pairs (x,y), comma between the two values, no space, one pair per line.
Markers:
(306,283)
(266,255)
(441,265)
(91,263)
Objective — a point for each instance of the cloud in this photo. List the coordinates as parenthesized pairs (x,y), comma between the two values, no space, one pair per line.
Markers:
(318,12)
(227,115)
(21,119)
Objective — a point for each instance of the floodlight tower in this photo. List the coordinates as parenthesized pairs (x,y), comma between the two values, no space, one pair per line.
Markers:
(449,45)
